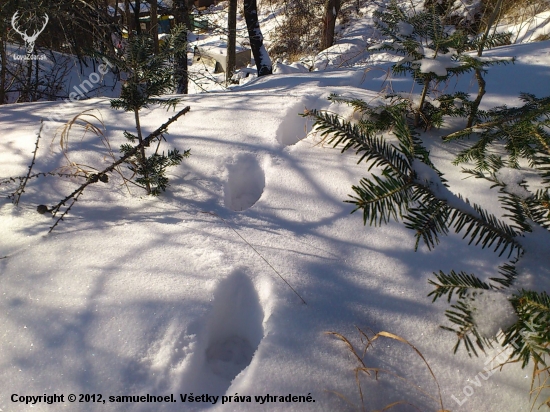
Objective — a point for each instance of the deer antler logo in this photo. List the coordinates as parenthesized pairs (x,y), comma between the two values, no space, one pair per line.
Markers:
(29,40)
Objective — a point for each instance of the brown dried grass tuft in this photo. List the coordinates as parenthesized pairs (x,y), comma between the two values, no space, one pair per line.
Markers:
(541,374)
(86,122)
(364,370)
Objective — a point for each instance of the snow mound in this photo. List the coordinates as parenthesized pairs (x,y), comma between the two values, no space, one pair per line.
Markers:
(341,55)
(513,178)
(282,68)
(245,183)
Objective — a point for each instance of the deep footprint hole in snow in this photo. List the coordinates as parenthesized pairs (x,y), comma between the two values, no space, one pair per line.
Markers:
(235,328)
(245,183)
(228,357)
(295,128)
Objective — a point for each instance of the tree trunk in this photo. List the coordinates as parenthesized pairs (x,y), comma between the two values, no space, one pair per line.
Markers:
(3,71)
(479,75)
(332,8)
(143,158)
(25,96)
(155,25)
(231,40)
(261,58)
(129,21)
(36,74)
(137,8)
(181,14)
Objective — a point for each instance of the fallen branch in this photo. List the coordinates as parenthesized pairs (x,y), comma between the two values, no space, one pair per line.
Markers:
(146,142)
(21,188)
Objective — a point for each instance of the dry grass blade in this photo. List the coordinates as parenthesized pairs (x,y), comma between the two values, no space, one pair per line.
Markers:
(88,123)
(391,405)
(368,341)
(81,121)
(400,339)
(541,374)
(348,344)
(343,398)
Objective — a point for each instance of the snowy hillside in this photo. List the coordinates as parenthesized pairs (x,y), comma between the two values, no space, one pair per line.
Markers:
(200,291)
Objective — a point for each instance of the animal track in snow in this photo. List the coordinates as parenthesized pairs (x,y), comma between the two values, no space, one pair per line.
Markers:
(229,356)
(245,183)
(235,327)
(294,127)
(229,337)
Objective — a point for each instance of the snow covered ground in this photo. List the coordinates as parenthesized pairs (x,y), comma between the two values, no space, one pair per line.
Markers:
(164,296)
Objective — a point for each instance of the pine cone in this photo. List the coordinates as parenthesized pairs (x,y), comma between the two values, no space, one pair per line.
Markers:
(42,209)
(93,178)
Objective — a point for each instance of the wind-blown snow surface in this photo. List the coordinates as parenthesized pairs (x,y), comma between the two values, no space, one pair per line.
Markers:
(133,295)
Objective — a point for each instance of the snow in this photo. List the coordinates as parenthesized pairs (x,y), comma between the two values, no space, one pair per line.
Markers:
(534,267)
(492,312)
(343,54)
(512,179)
(183,294)
(467,9)
(438,64)
(245,182)
(534,28)
(405,29)
(281,68)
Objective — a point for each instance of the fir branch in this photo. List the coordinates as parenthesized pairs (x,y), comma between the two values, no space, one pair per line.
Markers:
(372,148)
(462,317)
(485,228)
(459,284)
(529,337)
(532,110)
(381,199)
(428,220)
(509,274)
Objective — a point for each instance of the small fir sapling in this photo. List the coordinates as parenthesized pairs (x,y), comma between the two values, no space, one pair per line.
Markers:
(432,53)
(149,76)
